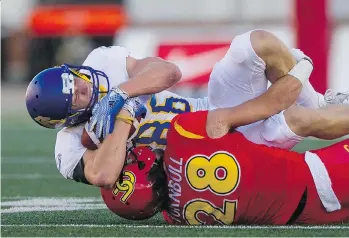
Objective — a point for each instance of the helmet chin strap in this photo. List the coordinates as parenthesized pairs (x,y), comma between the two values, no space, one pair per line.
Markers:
(102,89)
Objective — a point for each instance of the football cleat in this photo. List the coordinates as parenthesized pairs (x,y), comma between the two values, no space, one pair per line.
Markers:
(335,97)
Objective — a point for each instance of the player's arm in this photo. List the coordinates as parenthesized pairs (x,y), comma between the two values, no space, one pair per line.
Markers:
(278,97)
(149,75)
(103,166)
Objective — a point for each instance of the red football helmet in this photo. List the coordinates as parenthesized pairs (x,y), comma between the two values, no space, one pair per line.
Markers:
(133,196)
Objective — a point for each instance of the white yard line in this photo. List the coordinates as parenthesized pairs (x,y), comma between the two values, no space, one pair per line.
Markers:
(53,198)
(50,204)
(30,176)
(53,209)
(28,160)
(186,227)
(51,201)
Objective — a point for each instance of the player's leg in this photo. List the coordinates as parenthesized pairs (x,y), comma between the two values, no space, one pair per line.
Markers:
(328,193)
(310,98)
(273,132)
(330,122)
(252,59)
(288,128)
(242,73)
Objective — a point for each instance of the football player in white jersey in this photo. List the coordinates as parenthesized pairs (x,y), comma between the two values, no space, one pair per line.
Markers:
(65,96)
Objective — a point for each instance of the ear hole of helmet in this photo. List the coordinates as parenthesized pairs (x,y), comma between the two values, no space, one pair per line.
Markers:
(141,165)
(159,154)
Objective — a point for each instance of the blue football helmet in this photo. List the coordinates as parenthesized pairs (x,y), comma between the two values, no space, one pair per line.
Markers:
(49,95)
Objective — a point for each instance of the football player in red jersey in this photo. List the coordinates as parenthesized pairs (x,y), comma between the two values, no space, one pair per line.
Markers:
(226,179)
(213,175)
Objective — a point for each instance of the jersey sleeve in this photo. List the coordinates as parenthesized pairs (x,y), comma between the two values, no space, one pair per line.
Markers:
(183,104)
(69,150)
(110,60)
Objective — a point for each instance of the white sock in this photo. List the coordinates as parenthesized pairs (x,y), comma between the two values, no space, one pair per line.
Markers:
(309,98)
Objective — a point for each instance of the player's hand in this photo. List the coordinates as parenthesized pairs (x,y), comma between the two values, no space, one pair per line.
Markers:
(108,107)
(299,55)
(133,106)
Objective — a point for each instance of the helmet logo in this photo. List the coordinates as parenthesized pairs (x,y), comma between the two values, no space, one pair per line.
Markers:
(127,186)
(68,83)
(47,122)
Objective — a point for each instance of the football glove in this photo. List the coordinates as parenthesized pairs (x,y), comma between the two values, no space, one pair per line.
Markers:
(133,106)
(108,107)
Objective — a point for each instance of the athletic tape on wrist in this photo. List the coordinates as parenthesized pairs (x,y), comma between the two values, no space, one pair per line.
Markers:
(123,94)
(126,119)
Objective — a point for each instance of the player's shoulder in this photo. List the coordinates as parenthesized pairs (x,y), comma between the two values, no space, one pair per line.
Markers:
(106,50)
(186,103)
(103,53)
(191,125)
(166,94)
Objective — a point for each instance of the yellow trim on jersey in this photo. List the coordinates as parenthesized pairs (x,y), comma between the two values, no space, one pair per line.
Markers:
(183,132)
(346,147)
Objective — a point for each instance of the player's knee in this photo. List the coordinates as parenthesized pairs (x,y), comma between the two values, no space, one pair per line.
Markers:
(264,43)
(273,52)
(299,120)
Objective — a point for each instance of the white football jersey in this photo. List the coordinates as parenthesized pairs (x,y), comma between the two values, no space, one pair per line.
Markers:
(111,61)
(161,108)
(69,150)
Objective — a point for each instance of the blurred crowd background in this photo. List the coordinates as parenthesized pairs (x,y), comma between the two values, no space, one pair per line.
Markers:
(36,34)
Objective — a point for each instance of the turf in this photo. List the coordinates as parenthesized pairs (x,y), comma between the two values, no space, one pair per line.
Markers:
(38,201)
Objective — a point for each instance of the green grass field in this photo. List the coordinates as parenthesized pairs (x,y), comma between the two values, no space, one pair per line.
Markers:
(38,201)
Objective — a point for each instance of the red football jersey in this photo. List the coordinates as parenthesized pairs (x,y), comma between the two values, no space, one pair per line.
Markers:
(229,180)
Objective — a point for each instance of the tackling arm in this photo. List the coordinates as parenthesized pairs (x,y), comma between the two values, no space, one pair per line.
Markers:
(287,80)
(278,97)
(149,75)
(103,166)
